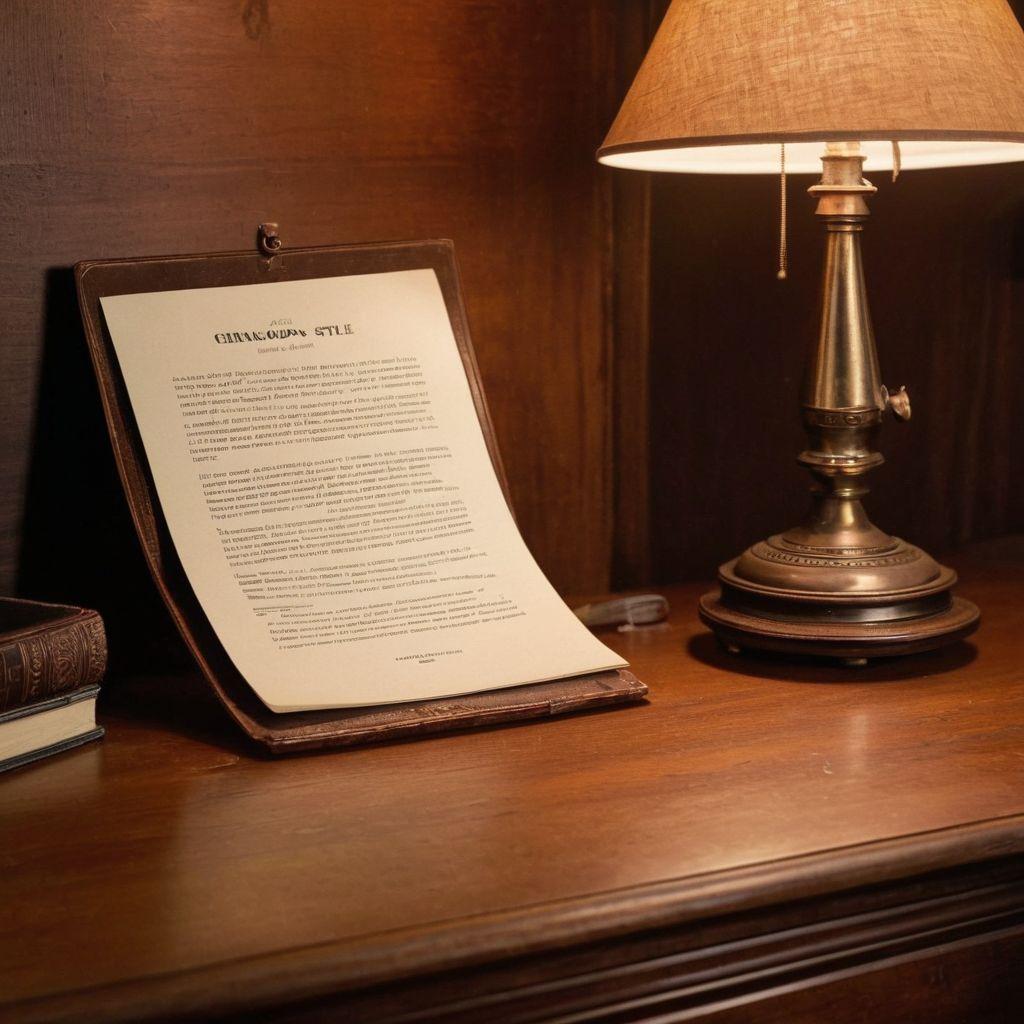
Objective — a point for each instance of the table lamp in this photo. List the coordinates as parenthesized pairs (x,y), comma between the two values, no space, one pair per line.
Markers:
(755,86)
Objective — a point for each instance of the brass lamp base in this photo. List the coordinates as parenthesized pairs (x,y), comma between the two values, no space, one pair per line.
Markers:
(846,606)
(836,585)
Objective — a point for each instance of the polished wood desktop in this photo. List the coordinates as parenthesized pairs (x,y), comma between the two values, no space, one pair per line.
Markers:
(763,840)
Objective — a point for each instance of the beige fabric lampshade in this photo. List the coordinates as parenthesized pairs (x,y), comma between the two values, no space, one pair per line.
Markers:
(725,81)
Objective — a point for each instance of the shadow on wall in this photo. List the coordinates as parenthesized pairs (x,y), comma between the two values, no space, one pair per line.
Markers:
(78,543)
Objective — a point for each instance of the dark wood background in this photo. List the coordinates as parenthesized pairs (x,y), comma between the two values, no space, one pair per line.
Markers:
(641,361)
(143,127)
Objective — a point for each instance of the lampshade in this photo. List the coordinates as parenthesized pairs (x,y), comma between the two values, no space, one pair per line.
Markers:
(726,81)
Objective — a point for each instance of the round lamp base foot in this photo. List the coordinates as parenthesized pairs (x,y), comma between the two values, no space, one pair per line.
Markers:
(810,632)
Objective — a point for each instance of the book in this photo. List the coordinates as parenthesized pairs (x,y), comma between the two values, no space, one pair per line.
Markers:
(47,651)
(48,727)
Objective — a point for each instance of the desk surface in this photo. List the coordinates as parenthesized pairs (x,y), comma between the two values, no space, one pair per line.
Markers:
(171,866)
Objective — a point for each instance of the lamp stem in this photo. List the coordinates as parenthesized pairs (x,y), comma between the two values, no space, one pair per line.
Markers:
(843,398)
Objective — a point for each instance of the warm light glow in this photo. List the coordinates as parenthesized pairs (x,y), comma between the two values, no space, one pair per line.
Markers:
(805,157)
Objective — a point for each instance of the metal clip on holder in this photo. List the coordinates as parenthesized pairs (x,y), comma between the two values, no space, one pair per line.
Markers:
(268,241)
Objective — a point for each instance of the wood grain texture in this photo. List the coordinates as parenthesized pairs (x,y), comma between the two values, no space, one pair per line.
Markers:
(630,325)
(144,127)
(141,128)
(754,813)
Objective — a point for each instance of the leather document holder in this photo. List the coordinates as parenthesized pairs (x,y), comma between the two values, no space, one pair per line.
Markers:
(303,730)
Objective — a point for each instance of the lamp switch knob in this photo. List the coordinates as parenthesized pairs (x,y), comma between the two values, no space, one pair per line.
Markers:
(898,401)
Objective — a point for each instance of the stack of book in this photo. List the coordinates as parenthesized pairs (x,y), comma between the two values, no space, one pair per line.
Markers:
(52,658)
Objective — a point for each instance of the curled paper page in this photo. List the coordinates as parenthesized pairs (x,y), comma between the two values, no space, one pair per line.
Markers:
(325,480)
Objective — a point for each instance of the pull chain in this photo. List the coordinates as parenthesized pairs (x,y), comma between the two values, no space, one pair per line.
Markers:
(783,272)
(783,246)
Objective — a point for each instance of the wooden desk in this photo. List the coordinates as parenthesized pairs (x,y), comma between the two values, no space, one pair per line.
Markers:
(761,841)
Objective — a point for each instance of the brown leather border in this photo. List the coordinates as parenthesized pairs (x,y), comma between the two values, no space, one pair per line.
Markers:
(299,731)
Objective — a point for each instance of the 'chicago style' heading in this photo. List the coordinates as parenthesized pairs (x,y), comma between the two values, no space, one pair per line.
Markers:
(279,333)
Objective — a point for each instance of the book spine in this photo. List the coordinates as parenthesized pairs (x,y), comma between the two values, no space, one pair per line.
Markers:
(51,662)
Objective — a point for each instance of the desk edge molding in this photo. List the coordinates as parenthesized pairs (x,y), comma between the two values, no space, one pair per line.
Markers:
(296,974)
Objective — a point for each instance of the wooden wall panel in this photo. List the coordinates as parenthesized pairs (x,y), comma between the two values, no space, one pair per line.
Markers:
(135,127)
(631,326)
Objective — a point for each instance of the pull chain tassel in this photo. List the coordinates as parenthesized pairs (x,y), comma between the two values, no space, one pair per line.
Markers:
(897,160)
(783,246)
